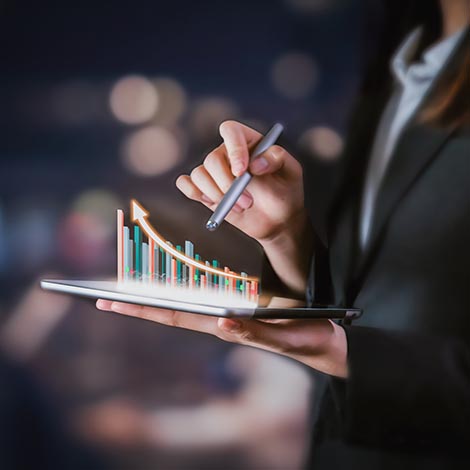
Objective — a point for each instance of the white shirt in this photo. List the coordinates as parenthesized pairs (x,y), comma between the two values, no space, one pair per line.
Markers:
(412,82)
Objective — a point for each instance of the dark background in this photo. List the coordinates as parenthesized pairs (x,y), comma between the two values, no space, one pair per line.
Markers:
(62,175)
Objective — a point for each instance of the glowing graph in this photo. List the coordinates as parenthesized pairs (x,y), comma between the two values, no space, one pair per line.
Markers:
(145,257)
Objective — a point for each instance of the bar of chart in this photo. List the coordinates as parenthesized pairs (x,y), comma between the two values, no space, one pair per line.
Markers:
(145,257)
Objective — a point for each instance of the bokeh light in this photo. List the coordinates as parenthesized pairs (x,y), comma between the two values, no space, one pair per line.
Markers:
(84,241)
(151,151)
(207,115)
(294,75)
(87,232)
(322,142)
(172,101)
(133,99)
(99,203)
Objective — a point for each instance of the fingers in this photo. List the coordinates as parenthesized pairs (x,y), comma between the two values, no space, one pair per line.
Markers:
(204,182)
(269,336)
(187,186)
(190,321)
(276,160)
(217,166)
(237,140)
(216,163)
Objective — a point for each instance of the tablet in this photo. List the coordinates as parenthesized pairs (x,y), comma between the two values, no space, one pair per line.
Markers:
(187,301)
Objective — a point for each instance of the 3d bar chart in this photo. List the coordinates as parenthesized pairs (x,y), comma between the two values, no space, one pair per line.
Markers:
(145,257)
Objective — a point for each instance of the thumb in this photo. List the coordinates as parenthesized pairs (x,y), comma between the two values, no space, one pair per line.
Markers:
(275,159)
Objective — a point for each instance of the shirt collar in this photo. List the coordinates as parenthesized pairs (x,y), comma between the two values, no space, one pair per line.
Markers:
(402,57)
(433,57)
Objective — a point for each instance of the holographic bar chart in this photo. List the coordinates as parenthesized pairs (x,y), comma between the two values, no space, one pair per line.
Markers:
(145,257)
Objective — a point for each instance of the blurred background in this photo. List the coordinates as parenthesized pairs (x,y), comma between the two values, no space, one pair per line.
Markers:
(101,102)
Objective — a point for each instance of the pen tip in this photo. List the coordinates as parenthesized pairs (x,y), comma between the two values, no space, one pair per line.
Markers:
(211,225)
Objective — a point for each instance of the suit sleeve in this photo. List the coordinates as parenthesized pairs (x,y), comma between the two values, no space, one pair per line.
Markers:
(405,390)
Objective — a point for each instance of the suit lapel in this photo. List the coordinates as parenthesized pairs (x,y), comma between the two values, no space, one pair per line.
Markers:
(418,146)
(343,217)
(417,149)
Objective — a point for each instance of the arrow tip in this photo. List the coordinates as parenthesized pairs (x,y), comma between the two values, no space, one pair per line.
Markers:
(137,211)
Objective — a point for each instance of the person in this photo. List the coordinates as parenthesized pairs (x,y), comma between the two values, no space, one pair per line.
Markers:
(395,383)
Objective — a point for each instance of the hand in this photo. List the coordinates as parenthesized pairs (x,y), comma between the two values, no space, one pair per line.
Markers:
(274,200)
(320,344)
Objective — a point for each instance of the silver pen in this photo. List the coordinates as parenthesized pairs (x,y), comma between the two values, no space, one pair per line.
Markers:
(240,183)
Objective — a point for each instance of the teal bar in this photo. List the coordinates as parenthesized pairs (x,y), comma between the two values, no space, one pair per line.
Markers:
(178,266)
(196,271)
(138,250)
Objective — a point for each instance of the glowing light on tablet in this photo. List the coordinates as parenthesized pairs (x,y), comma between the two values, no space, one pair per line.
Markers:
(145,257)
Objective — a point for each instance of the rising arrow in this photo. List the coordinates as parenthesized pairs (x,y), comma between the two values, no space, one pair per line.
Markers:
(139,215)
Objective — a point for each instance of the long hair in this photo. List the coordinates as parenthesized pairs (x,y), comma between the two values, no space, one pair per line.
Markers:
(449,104)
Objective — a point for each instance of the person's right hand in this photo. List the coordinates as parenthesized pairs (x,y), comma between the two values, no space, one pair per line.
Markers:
(274,199)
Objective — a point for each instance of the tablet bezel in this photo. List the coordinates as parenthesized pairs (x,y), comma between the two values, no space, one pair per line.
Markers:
(80,288)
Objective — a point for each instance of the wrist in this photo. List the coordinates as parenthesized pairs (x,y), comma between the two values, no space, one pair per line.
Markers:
(289,251)
(326,350)
(297,229)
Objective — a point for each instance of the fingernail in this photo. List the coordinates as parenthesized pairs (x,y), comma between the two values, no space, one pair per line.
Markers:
(205,199)
(259,165)
(237,168)
(245,201)
(236,208)
(231,326)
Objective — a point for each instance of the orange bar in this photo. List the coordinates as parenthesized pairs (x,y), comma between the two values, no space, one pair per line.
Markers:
(151,259)
(120,245)
(233,283)
(203,281)
(174,273)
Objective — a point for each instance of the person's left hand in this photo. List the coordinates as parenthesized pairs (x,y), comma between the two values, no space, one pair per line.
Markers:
(320,344)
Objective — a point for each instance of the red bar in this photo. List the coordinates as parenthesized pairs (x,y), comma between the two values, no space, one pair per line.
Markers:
(254,287)
(174,273)
(120,245)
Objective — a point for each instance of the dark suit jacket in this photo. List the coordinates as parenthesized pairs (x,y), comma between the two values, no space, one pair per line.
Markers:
(406,403)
